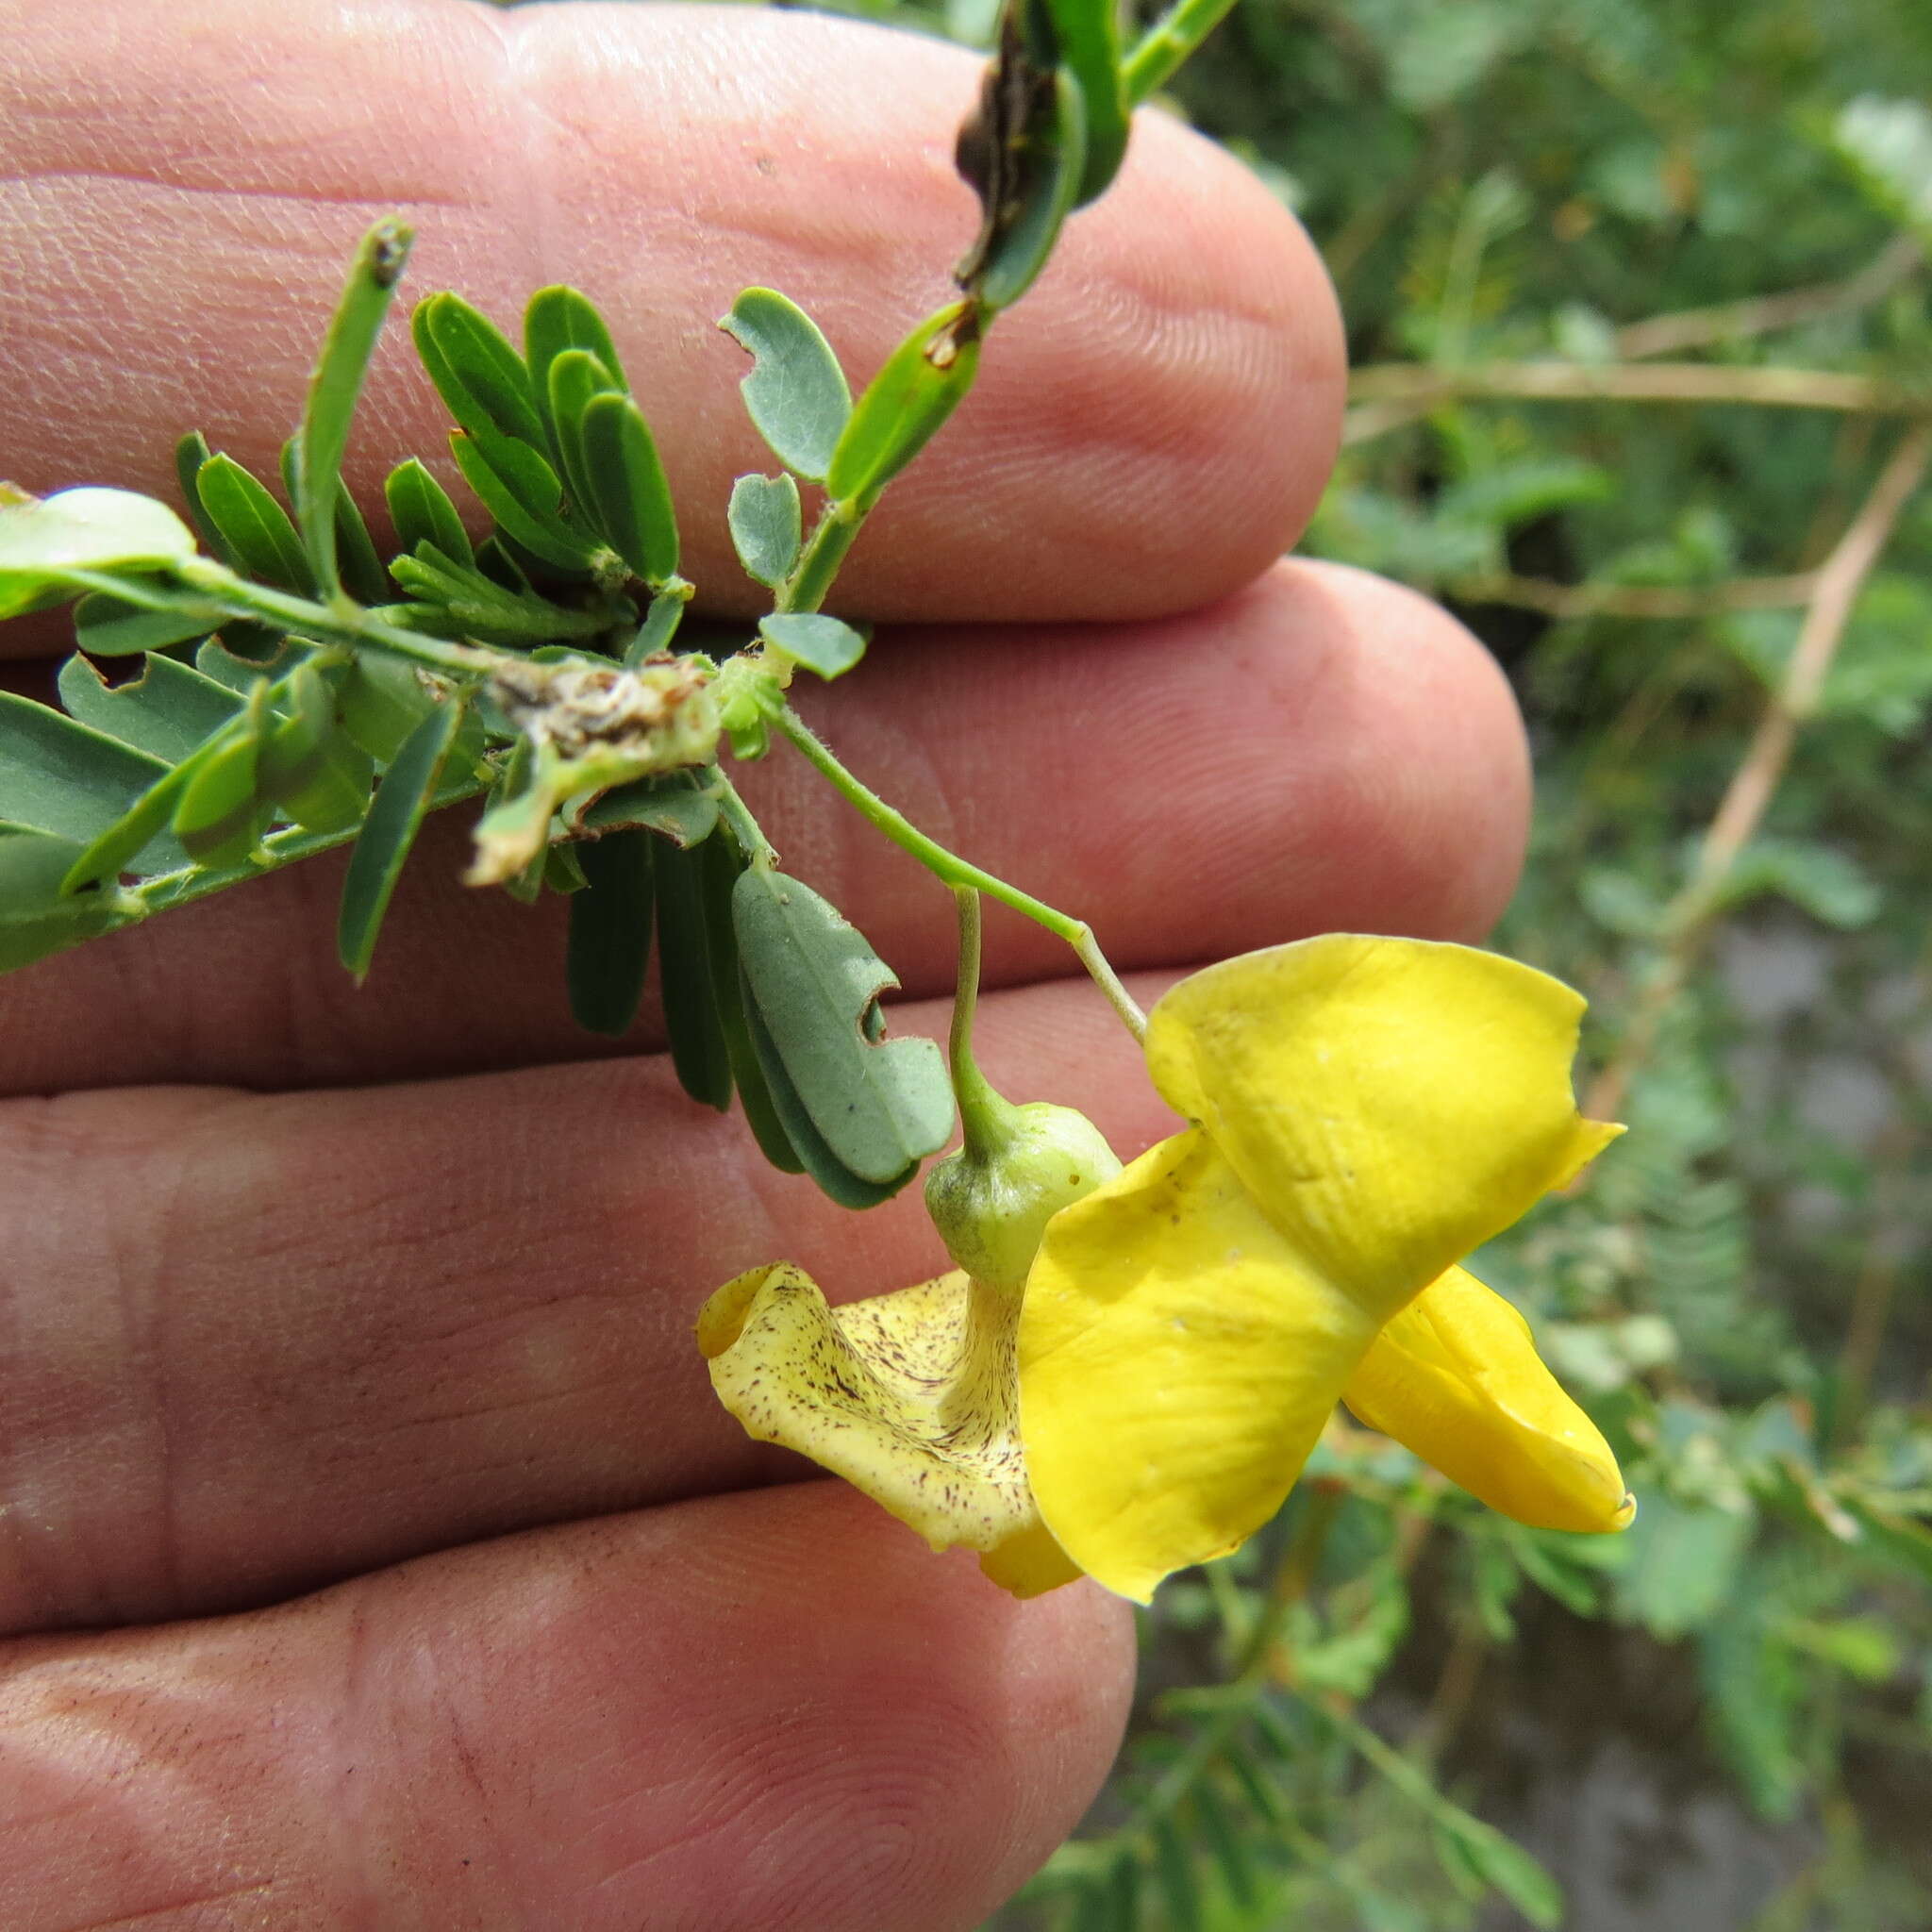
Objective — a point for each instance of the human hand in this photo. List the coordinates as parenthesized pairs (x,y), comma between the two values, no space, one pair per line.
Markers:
(383,1559)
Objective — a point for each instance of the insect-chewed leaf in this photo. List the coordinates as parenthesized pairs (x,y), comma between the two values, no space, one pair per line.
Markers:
(626,488)
(254,526)
(337,386)
(524,494)
(109,627)
(793,1120)
(389,830)
(481,379)
(420,508)
(557,321)
(37,916)
(766,528)
(168,712)
(924,381)
(826,644)
(698,1048)
(882,1105)
(42,538)
(238,672)
(610,932)
(795,394)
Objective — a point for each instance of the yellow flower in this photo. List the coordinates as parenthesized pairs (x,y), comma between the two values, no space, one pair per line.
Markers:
(1365,1111)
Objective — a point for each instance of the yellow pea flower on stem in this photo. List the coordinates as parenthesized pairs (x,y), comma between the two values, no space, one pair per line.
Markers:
(1363,1113)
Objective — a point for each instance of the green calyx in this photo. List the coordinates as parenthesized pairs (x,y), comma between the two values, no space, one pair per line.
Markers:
(991,1200)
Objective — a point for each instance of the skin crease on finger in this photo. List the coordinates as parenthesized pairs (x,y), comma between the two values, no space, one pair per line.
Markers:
(180,186)
(1320,751)
(507,1737)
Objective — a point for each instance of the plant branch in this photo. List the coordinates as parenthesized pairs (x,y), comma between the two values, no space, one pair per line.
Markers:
(1152,60)
(1741,812)
(1757,315)
(1388,394)
(1633,600)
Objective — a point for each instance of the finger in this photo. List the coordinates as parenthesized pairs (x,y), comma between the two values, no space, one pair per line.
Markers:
(1150,426)
(256,1344)
(740,1715)
(1322,750)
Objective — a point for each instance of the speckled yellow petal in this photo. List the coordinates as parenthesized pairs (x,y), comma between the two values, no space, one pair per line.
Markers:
(1455,1377)
(1177,1359)
(909,1396)
(1389,1103)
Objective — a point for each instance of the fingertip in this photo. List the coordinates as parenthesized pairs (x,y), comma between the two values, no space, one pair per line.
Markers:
(1408,806)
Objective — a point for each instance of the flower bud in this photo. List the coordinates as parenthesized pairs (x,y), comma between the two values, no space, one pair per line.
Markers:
(1020,1166)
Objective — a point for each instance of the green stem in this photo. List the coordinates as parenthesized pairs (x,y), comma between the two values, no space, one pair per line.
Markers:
(984,1113)
(341,619)
(751,835)
(1168,43)
(954,870)
(818,564)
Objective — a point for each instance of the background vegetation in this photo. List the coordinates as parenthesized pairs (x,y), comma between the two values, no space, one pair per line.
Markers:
(1638,297)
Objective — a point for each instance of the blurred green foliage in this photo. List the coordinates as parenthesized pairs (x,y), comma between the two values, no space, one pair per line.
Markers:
(1575,242)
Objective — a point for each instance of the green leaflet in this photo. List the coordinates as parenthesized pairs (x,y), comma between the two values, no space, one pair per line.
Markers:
(108,627)
(660,624)
(190,452)
(401,801)
(335,389)
(168,711)
(698,1046)
(1018,249)
(626,489)
(720,863)
(218,815)
(880,1106)
(421,512)
(821,643)
(795,394)
(215,660)
(481,379)
(557,321)
(43,538)
(924,381)
(766,528)
(670,805)
(523,495)
(610,932)
(1088,36)
(61,776)
(576,376)
(793,1120)
(309,766)
(36,917)
(254,527)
